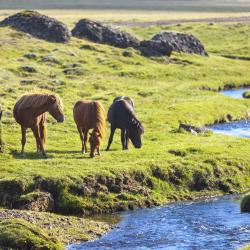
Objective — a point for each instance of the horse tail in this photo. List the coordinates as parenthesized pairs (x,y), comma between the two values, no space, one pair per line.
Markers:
(100,118)
(43,129)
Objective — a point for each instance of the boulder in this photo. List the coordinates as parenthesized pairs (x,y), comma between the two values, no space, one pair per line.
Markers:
(192,129)
(155,48)
(179,42)
(39,26)
(246,94)
(100,33)
(245,203)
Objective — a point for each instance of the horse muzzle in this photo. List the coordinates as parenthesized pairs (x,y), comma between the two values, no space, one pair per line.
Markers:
(61,119)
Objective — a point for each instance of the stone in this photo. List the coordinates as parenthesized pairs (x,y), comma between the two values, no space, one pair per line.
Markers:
(155,48)
(39,26)
(101,33)
(181,42)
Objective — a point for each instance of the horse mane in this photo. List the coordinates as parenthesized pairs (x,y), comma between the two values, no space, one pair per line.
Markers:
(100,119)
(37,100)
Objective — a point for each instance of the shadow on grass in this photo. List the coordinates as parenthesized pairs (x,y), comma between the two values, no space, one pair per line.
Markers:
(29,155)
(52,154)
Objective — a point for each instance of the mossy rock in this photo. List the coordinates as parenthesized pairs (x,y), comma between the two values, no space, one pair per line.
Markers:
(246,94)
(19,234)
(245,203)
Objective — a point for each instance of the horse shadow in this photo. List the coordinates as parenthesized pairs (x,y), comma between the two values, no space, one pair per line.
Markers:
(29,155)
(51,154)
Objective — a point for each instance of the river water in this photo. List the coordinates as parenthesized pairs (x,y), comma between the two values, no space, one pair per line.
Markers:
(239,128)
(213,224)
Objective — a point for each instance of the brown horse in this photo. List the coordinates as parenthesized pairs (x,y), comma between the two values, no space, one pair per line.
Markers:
(90,115)
(30,112)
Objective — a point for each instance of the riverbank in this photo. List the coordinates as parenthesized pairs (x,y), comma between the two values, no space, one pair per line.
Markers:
(63,229)
(171,166)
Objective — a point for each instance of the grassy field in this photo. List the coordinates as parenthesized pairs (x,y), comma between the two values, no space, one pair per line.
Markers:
(70,17)
(170,165)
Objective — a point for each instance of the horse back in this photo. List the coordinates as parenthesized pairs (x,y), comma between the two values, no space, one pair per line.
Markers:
(86,113)
(120,113)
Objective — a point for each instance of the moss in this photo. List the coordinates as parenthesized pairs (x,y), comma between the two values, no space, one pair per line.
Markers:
(245,203)
(19,234)
(246,94)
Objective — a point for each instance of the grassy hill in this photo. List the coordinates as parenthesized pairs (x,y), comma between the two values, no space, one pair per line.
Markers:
(170,165)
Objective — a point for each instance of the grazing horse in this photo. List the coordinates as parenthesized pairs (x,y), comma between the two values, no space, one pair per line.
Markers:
(121,115)
(30,112)
(90,115)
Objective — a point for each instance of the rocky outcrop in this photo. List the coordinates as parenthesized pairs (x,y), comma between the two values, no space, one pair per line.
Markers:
(192,129)
(180,42)
(155,48)
(100,33)
(39,26)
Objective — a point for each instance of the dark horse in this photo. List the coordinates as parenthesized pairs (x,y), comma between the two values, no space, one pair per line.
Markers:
(121,115)
(30,112)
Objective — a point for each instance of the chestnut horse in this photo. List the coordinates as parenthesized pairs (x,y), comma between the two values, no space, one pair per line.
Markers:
(90,115)
(30,112)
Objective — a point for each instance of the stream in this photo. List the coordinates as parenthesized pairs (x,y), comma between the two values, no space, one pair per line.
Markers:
(215,224)
(238,128)
(209,224)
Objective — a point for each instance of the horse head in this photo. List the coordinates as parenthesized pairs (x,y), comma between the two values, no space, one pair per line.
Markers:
(95,141)
(134,132)
(56,108)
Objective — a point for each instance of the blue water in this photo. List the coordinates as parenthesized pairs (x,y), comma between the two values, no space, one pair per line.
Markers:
(239,128)
(235,93)
(213,224)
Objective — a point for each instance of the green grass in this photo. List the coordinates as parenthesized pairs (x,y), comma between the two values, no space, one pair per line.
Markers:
(164,93)
(19,234)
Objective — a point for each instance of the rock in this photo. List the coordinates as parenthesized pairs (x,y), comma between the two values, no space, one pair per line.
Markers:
(192,129)
(179,42)
(37,201)
(28,69)
(100,33)
(155,48)
(245,203)
(246,94)
(50,59)
(39,26)
(30,56)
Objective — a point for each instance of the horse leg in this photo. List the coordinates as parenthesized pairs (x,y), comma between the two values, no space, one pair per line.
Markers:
(123,138)
(38,140)
(112,132)
(23,139)
(85,139)
(126,140)
(98,151)
(81,137)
